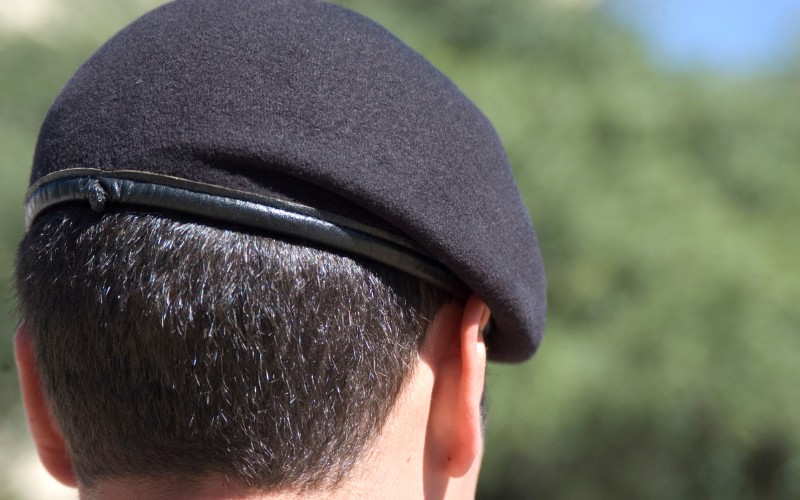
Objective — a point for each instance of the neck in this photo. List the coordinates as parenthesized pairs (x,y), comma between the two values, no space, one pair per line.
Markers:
(397,466)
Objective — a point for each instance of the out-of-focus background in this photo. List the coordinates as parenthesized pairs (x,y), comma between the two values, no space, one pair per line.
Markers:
(657,145)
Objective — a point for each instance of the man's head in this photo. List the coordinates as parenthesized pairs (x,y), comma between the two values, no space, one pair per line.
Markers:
(258,234)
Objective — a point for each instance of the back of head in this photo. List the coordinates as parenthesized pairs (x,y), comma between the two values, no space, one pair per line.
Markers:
(243,215)
(172,347)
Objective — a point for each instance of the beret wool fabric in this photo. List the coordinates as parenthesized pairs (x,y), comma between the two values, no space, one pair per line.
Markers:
(311,103)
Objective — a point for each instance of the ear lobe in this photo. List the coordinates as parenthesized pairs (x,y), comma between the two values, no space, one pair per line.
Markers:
(459,363)
(46,433)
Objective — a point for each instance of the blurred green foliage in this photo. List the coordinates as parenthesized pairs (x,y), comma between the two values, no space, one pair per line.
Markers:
(665,205)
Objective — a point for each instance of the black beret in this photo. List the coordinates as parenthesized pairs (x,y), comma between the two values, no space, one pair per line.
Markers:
(312,121)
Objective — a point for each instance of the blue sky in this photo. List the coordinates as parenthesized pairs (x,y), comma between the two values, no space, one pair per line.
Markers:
(733,36)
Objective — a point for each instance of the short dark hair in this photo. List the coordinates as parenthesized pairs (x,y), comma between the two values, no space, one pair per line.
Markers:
(168,345)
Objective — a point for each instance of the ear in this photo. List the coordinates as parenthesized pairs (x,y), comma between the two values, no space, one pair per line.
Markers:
(46,433)
(455,350)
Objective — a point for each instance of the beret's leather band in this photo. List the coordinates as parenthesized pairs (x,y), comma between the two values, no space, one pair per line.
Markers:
(286,218)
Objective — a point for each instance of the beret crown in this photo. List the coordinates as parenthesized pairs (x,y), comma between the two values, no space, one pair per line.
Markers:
(312,103)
